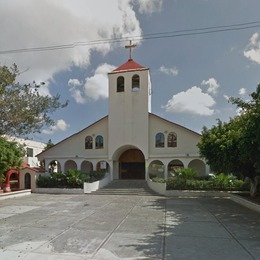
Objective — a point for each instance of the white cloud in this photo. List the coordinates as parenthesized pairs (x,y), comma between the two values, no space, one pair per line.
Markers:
(60,125)
(55,22)
(252,51)
(74,83)
(76,90)
(192,101)
(169,71)
(212,85)
(149,6)
(96,87)
(242,91)
(226,97)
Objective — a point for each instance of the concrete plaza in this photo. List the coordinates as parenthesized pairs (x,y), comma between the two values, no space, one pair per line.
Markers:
(69,227)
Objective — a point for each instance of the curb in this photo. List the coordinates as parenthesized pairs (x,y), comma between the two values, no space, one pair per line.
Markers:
(14,194)
(245,202)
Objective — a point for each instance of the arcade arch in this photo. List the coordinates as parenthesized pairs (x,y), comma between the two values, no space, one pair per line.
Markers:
(199,166)
(70,165)
(156,169)
(86,167)
(103,166)
(173,166)
(54,166)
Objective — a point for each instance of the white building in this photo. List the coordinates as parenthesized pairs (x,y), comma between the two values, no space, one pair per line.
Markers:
(32,148)
(131,142)
(26,178)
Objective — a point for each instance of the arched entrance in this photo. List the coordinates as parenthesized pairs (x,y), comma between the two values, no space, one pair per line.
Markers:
(132,165)
(27,181)
(12,180)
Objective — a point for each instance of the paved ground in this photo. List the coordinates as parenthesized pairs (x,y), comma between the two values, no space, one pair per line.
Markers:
(76,227)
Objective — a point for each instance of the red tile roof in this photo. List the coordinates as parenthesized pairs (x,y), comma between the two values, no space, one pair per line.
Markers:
(129,65)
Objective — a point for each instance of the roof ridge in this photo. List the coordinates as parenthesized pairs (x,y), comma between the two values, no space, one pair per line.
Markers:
(129,65)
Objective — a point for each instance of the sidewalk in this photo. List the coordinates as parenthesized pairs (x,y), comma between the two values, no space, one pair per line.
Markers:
(76,227)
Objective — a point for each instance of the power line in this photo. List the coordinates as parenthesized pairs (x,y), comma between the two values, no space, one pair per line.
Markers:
(151,36)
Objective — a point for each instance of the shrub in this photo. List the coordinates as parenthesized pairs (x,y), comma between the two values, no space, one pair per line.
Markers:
(175,184)
(58,179)
(44,182)
(185,173)
(152,175)
(159,180)
(75,179)
(95,176)
(70,179)
(219,182)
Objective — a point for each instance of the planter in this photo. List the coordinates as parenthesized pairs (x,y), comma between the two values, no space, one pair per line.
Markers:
(157,187)
(160,188)
(90,187)
(196,193)
(6,187)
(58,191)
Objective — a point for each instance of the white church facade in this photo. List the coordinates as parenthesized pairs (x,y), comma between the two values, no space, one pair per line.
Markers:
(130,142)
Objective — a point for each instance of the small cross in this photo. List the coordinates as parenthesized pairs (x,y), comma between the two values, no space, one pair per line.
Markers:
(130,46)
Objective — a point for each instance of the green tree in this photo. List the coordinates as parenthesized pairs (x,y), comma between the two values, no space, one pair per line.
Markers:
(234,147)
(23,110)
(49,145)
(249,144)
(219,145)
(11,155)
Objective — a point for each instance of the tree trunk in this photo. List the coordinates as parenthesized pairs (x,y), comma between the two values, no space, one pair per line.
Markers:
(253,186)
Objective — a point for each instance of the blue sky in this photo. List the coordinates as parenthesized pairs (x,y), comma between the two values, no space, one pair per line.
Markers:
(192,75)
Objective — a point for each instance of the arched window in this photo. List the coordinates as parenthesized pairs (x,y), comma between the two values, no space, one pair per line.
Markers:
(99,142)
(159,140)
(172,139)
(120,84)
(88,142)
(135,83)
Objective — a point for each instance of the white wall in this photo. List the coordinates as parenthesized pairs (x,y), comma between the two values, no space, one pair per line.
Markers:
(187,140)
(74,146)
(128,112)
(37,147)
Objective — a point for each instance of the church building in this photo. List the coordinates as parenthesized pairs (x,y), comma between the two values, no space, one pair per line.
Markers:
(130,142)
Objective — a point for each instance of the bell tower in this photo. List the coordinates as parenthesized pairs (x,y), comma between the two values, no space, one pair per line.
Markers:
(129,106)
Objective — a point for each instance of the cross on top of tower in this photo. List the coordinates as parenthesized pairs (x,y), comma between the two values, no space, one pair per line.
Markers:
(130,46)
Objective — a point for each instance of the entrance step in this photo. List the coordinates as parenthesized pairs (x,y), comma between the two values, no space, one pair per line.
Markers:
(126,187)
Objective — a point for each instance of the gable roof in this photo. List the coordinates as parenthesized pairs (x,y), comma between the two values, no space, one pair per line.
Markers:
(105,117)
(160,118)
(129,66)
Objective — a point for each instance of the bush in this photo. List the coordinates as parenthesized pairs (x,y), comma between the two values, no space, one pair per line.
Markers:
(219,182)
(175,184)
(96,176)
(159,180)
(152,175)
(70,179)
(182,176)
(185,173)
(75,179)
(44,182)
(58,179)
